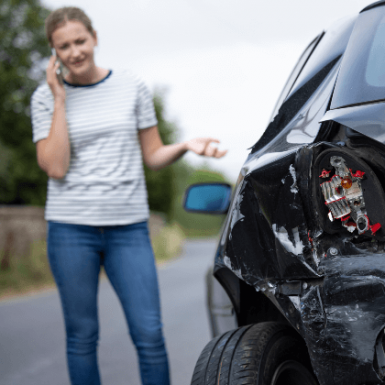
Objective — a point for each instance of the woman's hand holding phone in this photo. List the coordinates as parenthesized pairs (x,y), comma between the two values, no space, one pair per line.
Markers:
(56,86)
(53,152)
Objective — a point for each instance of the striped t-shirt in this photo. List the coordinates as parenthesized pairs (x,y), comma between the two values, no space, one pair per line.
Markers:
(105,182)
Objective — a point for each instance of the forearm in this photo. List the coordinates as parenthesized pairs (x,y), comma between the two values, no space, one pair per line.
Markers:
(156,155)
(165,155)
(54,154)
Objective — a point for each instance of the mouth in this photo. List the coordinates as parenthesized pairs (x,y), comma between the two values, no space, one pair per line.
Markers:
(78,63)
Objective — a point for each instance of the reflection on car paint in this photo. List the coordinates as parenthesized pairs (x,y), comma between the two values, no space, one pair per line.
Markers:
(367,119)
(304,128)
(265,159)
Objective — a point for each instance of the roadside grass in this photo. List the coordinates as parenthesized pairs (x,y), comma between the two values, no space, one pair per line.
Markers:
(27,274)
(31,274)
(168,243)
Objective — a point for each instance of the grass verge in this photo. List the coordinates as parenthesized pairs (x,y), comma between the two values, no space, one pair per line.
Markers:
(31,274)
(168,243)
(27,274)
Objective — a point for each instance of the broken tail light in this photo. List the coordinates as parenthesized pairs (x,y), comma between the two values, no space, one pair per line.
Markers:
(343,195)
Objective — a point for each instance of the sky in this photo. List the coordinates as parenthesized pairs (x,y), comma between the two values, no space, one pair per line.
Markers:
(221,64)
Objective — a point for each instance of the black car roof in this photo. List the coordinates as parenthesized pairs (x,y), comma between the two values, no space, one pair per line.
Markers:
(374,5)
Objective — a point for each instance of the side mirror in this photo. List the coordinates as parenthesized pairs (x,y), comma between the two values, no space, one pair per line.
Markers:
(209,198)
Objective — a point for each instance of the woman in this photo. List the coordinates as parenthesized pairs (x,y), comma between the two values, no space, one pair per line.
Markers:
(91,134)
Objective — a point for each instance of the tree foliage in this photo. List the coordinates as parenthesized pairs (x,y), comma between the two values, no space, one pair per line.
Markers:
(161,186)
(22,46)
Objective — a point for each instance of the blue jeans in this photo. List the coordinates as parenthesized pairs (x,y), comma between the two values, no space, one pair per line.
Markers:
(76,253)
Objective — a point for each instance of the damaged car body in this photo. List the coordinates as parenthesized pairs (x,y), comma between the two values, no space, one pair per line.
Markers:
(303,241)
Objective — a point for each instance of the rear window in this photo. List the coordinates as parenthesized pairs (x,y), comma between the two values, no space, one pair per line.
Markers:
(294,74)
(362,74)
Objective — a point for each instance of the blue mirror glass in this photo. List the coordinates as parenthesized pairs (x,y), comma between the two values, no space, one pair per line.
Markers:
(211,198)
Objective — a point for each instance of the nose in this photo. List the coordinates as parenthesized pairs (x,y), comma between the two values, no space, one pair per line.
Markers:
(75,52)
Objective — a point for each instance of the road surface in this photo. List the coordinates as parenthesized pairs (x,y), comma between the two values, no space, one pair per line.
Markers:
(32,342)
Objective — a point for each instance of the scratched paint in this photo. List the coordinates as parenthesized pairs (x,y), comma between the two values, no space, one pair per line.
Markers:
(293,245)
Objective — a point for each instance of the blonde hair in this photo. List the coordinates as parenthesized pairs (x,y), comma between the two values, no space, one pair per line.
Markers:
(60,16)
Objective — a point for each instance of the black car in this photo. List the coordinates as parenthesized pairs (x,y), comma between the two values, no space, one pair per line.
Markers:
(301,257)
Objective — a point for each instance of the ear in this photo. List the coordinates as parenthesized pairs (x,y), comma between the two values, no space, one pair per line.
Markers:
(95,36)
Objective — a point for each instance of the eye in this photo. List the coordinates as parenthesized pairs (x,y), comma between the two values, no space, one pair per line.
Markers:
(80,41)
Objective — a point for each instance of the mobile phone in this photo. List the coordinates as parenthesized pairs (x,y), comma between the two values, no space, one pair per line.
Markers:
(60,70)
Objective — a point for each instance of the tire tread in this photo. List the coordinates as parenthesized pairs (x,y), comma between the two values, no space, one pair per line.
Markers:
(244,356)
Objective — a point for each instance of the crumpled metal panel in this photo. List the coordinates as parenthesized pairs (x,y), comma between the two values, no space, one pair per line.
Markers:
(330,289)
(343,318)
(327,280)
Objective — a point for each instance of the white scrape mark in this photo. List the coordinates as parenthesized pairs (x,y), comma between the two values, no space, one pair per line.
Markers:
(282,235)
(236,214)
(293,187)
(227,233)
(316,259)
(227,262)
(296,302)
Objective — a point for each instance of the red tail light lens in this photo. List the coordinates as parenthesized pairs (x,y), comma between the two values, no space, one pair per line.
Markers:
(344,197)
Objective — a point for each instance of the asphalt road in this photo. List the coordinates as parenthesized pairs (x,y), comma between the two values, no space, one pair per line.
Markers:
(32,342)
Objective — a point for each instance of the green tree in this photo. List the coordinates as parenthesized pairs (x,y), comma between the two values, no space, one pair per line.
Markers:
(22,47)
(162,185)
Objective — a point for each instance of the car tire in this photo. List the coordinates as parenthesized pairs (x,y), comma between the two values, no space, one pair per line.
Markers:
(267,353)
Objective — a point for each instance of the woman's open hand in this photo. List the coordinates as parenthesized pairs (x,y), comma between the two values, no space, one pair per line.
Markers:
(202,146)
(156,155)
(57,89)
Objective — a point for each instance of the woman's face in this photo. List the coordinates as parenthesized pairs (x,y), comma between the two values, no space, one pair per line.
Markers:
(74,46)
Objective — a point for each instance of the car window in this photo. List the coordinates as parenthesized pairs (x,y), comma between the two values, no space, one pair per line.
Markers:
(294,74)
(375,74)
(362,76)
(332,45)
(321,60)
